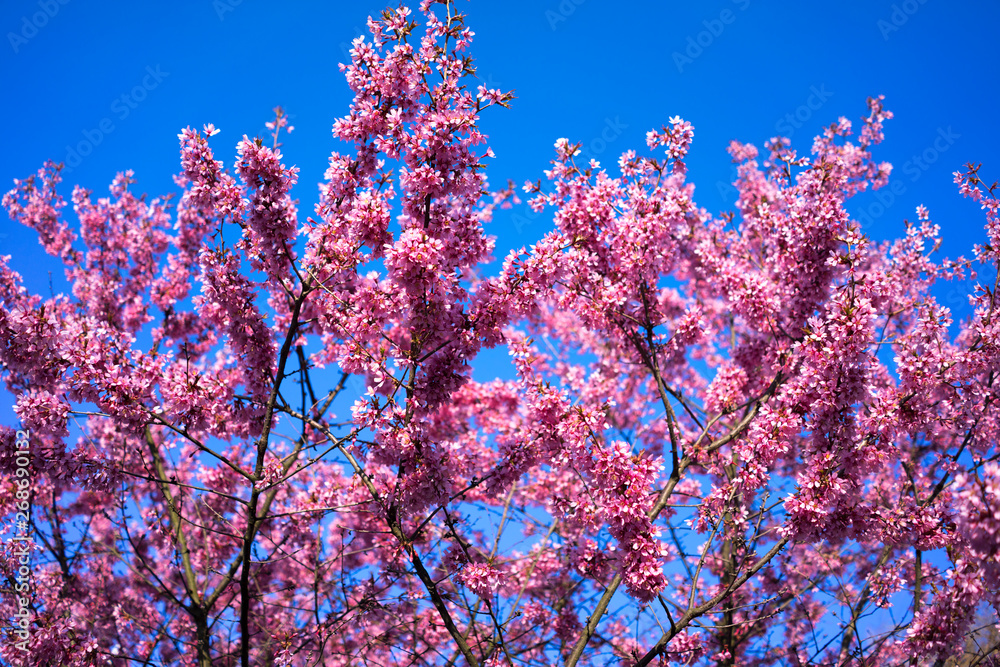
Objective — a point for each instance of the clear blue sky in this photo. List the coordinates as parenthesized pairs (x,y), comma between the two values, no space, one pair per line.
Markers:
(595,71)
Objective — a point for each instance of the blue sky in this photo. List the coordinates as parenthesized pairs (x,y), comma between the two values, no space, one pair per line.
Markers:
(118,80)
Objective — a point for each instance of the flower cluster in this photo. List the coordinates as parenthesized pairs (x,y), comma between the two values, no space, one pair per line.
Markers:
(483,579)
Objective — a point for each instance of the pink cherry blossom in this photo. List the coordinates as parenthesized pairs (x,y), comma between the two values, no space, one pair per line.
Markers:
(754,437)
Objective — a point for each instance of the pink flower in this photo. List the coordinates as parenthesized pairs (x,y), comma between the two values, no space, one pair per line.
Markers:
(483,579)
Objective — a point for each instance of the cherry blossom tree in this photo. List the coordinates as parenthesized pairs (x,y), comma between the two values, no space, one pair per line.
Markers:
(753,438)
